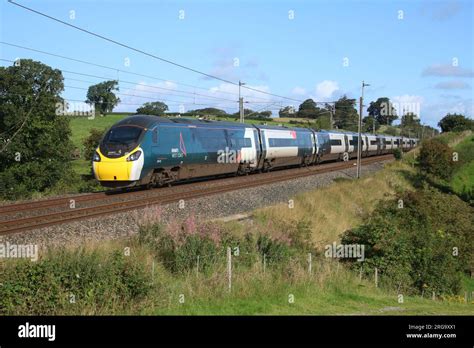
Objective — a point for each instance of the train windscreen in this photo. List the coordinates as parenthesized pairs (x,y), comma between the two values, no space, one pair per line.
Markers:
(120,140)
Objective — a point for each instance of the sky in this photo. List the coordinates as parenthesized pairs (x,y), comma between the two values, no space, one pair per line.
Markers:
(417,53)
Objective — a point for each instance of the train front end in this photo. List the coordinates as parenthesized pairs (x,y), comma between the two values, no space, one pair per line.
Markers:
(119,159)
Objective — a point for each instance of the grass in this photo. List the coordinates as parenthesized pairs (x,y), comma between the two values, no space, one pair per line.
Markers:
(338,207)
(463,178)
(81,126)
(104,281)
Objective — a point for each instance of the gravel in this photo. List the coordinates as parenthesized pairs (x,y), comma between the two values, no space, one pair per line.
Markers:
(211,207)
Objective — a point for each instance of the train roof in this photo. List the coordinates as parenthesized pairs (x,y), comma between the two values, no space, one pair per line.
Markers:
(148,121)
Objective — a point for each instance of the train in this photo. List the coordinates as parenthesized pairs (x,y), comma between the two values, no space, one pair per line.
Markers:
(144,150)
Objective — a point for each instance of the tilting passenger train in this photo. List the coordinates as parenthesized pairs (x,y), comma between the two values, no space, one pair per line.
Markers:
(154,151)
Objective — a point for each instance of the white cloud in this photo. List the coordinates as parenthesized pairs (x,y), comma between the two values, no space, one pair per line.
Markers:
(325,90)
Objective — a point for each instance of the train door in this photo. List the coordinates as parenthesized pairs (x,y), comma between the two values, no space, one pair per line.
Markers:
(249,148)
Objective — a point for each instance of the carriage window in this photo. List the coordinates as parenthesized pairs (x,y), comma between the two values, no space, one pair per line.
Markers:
(155,135)
(373,142)
(277,142)
(336,142)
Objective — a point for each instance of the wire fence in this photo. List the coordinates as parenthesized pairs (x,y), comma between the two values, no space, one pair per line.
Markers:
(229,264)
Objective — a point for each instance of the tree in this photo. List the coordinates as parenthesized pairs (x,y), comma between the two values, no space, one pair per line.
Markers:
(346,115)
(410,125)
(265,114)
(383,111)
(34,135)
(287,111)
(153,108)
(308,109)
(455,123)
(209,112)
(102,96)
(369,122)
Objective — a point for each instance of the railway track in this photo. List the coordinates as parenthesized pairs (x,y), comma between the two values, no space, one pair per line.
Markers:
(137,200)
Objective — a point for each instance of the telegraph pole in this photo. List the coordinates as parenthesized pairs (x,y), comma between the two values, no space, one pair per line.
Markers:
(241,104)
(332,112)
(359,140)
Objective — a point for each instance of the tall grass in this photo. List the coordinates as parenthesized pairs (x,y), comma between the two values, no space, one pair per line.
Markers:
(338,207)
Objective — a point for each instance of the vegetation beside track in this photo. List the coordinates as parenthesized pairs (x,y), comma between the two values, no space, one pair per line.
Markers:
(158,272)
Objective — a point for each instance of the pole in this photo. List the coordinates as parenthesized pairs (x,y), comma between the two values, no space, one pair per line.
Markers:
(264,263)
(197,266)
(241,104)
(376,277)
(331,111)
(229,267)
(310,264)
(359,140)
(359,131)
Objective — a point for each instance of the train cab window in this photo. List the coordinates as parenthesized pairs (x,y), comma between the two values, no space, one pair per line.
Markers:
(123,134)
(336,142)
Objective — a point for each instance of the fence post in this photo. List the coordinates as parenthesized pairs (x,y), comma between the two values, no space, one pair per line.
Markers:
(229,267)
(376,277)
(153,270)
(433,296)
(264,262)
(310,264)
(197,266)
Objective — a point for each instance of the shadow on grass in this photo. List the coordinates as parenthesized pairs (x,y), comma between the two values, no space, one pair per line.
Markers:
(420,180)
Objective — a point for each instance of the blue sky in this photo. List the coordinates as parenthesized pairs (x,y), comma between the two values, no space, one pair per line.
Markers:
(418,53)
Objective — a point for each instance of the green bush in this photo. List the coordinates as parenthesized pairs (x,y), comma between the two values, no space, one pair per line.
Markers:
(178,245)
(436,158)
(92,142)
(414,246)
(97,280)
(178,250)
(398,154)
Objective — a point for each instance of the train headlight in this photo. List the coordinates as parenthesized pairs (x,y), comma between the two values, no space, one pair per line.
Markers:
(96,157)
(134,156)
